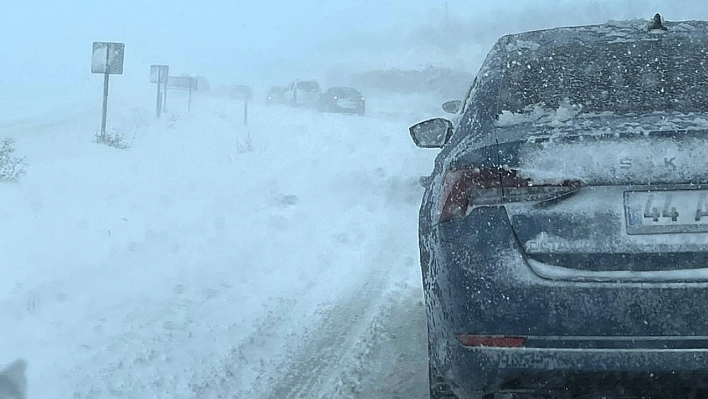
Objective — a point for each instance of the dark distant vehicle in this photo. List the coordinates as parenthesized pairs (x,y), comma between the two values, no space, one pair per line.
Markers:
(564,229)
(276,95)
(241,92)
(342,99)
(303,93)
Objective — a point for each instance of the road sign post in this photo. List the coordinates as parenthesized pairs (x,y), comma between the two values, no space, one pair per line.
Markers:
(107,58)
(193,82)
(245,111)
(189,104)
(245,93)
(164,91)
(158,75)
(158,108)
(189,83)
(104,113)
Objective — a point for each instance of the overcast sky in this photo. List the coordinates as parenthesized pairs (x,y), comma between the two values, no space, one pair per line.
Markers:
(222,36)
(50,41)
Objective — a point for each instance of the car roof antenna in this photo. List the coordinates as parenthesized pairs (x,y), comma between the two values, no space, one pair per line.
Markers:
(656,23)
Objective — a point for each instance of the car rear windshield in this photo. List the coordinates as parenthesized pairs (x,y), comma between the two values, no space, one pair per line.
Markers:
(308,86)
(344,92)
(655,74)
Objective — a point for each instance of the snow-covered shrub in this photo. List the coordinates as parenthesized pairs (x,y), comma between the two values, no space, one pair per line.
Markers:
(220,113)
(246,146)
(115,139)
(172,119)
(11,167)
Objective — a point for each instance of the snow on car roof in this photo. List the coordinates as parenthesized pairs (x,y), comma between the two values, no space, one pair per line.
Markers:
(565,124)
(610,32)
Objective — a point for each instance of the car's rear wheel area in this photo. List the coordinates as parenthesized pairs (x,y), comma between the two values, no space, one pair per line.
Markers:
(439,388)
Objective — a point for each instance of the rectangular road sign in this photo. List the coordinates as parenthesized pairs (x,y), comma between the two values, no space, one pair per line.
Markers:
(182,82)
(107,58)
(159,73)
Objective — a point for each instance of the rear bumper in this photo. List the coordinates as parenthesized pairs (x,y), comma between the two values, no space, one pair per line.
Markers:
(541,369)
(347,109)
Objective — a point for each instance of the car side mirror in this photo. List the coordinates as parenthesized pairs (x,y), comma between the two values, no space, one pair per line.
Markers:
(433,133)
(452,106)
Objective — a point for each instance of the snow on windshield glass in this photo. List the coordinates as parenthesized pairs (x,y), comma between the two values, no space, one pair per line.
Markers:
(187,211)
(308,86)
(623,76)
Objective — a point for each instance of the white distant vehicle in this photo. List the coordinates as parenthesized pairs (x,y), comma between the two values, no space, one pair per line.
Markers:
(303,93)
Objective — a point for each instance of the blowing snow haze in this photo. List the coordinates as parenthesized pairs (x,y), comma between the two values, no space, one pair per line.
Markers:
(261,240)
(45,44)
(224,39)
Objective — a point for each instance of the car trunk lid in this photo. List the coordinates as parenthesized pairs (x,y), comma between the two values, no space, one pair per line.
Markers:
(640,212)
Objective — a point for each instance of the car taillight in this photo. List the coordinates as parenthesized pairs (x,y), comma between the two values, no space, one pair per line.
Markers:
(494,341)
(494,186)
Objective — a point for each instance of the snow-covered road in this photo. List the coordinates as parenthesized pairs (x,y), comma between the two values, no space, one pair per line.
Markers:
(213,259)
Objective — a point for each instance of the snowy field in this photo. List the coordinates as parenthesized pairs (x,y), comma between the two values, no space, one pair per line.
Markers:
(213,259)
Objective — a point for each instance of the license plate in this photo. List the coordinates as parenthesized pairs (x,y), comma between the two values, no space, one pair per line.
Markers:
(666,212)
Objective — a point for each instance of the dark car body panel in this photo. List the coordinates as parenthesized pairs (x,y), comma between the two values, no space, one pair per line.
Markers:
(342,100)
(479,278)
(276,95)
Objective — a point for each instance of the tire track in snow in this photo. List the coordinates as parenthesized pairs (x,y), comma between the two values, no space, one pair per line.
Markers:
(307,369)
(228,378)
(374,335)
(391,360)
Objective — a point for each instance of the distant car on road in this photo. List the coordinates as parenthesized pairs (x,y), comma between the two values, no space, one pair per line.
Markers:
(564,230)
(276,95)
(342,99)
(303,93)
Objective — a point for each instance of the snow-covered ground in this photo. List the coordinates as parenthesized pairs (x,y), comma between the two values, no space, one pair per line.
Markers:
(213,259)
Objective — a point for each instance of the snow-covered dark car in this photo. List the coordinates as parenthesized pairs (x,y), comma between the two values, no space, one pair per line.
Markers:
(276,95)
(564,229)
(344,100)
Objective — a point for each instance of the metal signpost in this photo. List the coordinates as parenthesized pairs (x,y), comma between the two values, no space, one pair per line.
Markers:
(159,74)
(242,92)
(107,58)
(184,83)
(245,111)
